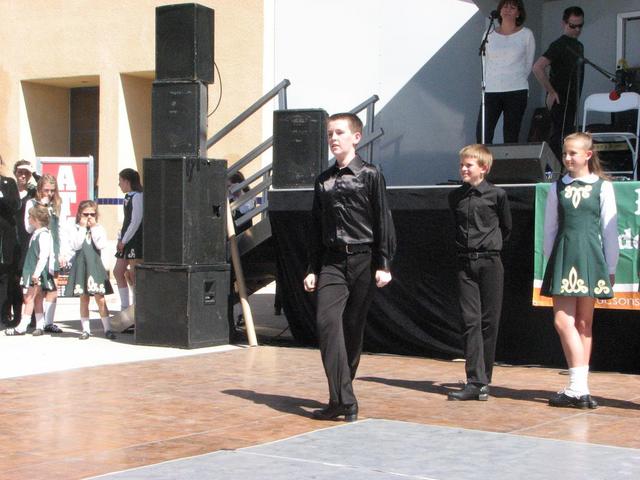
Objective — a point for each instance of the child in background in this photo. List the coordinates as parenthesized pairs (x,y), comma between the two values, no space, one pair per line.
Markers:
(581,243)
(37,278)
(129,248)
(47,195)
(88,275)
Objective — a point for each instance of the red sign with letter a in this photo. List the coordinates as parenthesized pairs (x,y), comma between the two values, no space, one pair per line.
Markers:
(74,176)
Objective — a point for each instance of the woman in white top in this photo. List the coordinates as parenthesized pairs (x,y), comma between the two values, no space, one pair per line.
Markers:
(510,51)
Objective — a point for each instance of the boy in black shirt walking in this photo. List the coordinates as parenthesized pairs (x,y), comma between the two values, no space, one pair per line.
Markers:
(483,224)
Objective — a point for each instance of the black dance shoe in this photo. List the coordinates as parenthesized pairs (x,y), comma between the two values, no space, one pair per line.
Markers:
(333,411)
(471,392)
(563,400)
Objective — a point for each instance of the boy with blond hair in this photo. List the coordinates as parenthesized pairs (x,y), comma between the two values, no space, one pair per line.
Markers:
(483,223)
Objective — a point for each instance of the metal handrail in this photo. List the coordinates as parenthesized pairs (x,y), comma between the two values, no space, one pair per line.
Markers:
(279,90)
(250,179)
(369,104)
(249,157)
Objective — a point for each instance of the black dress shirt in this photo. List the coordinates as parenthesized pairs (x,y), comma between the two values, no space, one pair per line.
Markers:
(482,217)
(350,208)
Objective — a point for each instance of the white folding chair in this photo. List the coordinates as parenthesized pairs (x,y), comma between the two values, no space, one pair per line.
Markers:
(600,102)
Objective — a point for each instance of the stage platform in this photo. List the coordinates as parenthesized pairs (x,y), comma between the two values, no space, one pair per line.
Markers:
(417,314)
(111,418)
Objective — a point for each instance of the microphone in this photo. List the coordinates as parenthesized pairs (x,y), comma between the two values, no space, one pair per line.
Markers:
(494,14)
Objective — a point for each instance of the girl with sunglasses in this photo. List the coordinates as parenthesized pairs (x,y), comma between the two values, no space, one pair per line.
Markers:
(88,277)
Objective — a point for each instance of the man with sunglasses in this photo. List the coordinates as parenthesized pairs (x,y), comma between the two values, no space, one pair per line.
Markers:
(566,74)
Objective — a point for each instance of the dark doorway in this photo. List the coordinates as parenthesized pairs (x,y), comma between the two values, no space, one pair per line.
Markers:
(84,111)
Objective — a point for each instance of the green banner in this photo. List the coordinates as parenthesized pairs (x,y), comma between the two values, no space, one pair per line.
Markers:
(626,292)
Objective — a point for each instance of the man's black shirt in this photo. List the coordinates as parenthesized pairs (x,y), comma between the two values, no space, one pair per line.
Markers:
(350,208)
(566,74)
(482,217)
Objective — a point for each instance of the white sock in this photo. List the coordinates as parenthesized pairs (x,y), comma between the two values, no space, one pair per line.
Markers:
(86,325)
(124,297)
(106,325)
(24,323)
(133,295)
(40,321)
(578,381)
(49,311)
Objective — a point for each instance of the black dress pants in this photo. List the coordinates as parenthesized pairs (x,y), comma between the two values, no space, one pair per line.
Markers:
(480,283)
(512,105)
(345,289)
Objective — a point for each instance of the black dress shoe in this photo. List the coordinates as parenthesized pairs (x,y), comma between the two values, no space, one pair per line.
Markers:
(563,400)
(471,392)
(592,402)
(333,411)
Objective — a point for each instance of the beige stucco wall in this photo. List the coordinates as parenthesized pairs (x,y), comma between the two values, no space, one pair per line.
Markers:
(49,46)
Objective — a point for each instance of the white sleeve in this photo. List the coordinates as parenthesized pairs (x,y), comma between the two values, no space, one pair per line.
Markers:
(530,51)
(609,224)
(46,245)
(27,226)
(550,220)
(77,238)
(99,236)
(66,251)
(136,218)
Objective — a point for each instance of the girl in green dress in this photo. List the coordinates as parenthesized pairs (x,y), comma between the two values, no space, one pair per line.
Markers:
(47,194)
(581,243)
(37,278)
(88,277)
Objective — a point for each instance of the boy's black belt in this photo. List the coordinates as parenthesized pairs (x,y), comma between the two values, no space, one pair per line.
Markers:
(351,249)
(477,255)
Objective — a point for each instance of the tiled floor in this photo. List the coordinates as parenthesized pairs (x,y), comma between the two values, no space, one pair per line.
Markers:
(90,421)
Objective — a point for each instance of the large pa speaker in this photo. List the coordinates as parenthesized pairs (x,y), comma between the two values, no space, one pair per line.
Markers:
(522,163)
(184,215)
(299,147)
(179,115)
(182,305)
(184,42)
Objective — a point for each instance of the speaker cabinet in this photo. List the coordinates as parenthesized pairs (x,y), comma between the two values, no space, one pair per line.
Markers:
(299,147)
(179,115)
(185,211)
(184,42)
(522,163)
(182,306)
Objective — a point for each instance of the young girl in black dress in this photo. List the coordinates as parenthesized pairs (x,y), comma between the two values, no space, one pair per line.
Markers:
(129,248)
(88,277)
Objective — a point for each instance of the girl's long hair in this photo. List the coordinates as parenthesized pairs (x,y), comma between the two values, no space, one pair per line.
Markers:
(56,202)
(133,178)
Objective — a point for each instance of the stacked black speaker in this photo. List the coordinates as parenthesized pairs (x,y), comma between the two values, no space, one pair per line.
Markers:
(182,288)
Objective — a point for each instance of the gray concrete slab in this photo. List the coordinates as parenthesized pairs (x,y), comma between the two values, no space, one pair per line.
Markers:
(385,449)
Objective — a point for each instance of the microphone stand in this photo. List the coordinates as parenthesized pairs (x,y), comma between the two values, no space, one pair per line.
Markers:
(483,59)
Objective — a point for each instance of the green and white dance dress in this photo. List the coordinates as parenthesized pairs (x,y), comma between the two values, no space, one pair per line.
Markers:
(39,261)
(88,275)
(580,238)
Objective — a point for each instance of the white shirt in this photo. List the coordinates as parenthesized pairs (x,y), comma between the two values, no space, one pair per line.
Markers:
(46,248)
(98,236)
(136,218)
(608,219)
(509,60)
